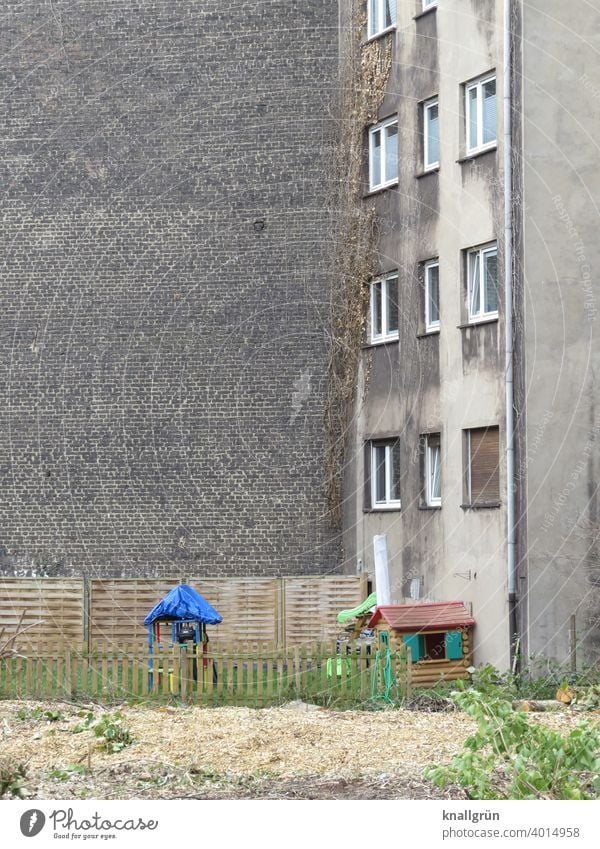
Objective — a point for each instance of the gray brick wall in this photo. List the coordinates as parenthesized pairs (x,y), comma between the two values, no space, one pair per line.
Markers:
(162,360)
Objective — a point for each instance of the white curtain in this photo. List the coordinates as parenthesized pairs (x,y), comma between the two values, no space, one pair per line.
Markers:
(390,13)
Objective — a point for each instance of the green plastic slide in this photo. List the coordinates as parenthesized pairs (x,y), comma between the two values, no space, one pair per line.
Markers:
(347,615)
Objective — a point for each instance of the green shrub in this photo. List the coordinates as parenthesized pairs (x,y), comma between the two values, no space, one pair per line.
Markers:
(109,729)
(87,723)
(67,772)
(510,757)
(113,735)
(11,780)
(38,713)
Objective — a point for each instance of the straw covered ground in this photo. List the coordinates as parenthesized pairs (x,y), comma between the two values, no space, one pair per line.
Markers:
(296,751)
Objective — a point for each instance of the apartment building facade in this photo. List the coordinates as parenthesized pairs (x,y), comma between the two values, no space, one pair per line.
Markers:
(475,436)
(166,289)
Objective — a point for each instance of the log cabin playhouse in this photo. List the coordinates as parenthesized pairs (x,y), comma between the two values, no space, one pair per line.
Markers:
(439,636)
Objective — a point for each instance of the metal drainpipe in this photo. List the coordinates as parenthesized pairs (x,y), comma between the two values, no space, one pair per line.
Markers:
(508,328)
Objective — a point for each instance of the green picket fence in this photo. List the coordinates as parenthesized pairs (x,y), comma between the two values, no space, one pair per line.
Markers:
(252,675)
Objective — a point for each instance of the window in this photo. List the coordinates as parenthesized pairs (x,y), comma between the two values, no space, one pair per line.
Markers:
(480,112)
(383,474)
(432,297)
(383,154)
(384,309)
(381,15)
(482,478)
(482,289)
(428,3)
(431,135)
(435,646)
(433,470)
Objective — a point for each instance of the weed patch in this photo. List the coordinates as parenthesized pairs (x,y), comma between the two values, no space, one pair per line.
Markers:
(12,781)
(27,714)
(510,757)
(108,728)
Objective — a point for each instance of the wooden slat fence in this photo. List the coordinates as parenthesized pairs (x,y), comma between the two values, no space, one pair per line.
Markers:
(278,611)
(250,607)
(228,675)
(118,608)
(311,606)
(55,603)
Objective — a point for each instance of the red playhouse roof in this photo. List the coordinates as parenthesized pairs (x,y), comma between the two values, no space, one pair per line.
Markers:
(428,616)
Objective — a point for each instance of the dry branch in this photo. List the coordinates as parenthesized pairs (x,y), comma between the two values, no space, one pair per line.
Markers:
(7,646)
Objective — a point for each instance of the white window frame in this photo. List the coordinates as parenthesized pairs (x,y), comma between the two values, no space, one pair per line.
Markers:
(376,17)
(389,503)
(427,4)
(381,128)
(478,85)
(430,166)
(468,467)
(480,252)
(430,499)
(431,326)
(386,334)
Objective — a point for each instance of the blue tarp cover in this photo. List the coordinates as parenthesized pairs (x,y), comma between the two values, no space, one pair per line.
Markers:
(184,602)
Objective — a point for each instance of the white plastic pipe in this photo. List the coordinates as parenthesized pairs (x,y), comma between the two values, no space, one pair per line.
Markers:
(382,570)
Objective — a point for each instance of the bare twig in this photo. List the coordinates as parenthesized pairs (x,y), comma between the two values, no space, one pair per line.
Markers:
(8,648)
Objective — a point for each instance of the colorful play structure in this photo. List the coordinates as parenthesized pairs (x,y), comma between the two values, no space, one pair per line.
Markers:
(357,616)
(430,641)
(420,643)
(187,613)
(434,637)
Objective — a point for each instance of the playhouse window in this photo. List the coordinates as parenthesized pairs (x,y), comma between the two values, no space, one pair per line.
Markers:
(435,646)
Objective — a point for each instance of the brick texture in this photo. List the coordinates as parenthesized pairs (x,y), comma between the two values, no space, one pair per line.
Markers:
(164,273)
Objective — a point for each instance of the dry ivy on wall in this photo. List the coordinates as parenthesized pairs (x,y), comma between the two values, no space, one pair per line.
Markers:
(364,77)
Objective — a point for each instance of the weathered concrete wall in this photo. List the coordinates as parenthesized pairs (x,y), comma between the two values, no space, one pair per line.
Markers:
(454,380)
(163,356)
(561,126)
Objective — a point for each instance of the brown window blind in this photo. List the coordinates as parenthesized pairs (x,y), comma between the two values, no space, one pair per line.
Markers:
(484,465)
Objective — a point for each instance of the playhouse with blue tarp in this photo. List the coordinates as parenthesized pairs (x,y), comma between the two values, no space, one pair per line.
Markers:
(187,613)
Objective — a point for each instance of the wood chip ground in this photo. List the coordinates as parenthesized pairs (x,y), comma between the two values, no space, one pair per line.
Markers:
(175,750)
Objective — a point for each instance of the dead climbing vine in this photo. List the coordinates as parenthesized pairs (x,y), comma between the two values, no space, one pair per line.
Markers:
(365,74)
